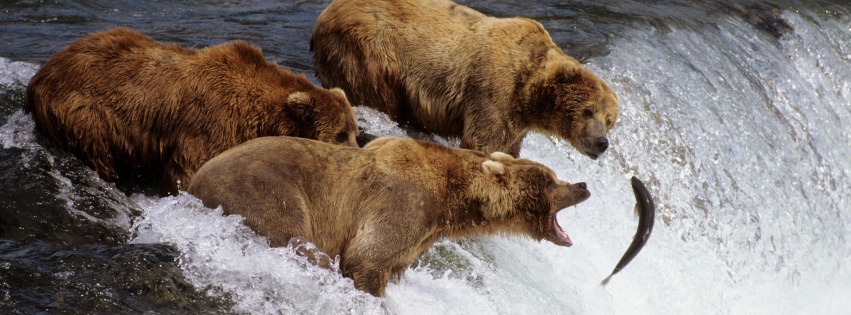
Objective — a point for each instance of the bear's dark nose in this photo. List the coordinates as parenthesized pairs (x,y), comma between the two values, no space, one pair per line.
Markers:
(602,144)
(582,185)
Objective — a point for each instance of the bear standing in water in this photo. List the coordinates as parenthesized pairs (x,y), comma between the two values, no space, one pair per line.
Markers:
(452,71)
(379,208)
(137,110)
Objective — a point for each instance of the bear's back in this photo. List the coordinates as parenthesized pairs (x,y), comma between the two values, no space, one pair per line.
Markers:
(106,58)
(287,186)
(281,161)
(431,64)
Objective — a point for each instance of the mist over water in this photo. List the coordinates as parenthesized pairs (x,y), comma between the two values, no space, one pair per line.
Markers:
(739,133)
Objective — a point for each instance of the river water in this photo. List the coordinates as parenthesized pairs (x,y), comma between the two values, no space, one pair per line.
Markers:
(735,116)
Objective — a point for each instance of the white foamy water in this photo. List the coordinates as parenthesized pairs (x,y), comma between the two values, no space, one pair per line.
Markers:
(15,72)
(220,252)
(743,143)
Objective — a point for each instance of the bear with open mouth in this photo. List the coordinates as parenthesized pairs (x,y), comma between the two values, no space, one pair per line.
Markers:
(381,207)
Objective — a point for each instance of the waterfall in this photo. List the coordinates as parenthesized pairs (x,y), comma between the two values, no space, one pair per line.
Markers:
(738,126)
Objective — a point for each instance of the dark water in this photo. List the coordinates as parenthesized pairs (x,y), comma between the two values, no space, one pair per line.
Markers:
(135,278)
(64,233)
(33,30)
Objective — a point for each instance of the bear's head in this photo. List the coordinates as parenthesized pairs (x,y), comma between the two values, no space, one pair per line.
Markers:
(325,116)
(575,105)
(523,197)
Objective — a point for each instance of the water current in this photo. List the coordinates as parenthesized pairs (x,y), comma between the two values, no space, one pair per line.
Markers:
(735,115)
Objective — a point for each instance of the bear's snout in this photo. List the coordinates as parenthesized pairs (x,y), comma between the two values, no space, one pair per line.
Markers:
(571,195)
(593,141)
(581,192)
(602,144)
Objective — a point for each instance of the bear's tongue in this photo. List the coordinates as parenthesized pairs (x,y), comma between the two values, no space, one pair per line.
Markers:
(560,234)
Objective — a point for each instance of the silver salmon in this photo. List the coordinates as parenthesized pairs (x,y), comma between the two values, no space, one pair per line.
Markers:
(646,216)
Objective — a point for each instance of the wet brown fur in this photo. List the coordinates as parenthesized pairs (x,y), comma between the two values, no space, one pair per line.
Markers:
(381,207)
(452,71)
(133,108)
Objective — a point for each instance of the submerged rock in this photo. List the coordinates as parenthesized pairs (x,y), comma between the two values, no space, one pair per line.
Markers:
(36,276)
(764,16)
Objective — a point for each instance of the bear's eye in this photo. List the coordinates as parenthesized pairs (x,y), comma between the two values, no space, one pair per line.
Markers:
(551,183)
(587,113)
(342,137)
(609,121)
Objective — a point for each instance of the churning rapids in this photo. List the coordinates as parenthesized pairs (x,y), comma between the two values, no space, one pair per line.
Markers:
(736,116)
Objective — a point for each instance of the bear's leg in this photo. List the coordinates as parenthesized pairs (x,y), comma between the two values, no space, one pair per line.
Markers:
(174,180)
(372,281)
(188,156)
(99,156)
(94,144)
(77,124)
(483,134)
(373,256)
(514,149)
(167,186)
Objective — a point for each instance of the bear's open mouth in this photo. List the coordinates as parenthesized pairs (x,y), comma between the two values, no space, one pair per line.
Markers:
(561,237)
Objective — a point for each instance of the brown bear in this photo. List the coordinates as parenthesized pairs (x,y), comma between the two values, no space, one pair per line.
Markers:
(136,109)
(452,71)
(380,207)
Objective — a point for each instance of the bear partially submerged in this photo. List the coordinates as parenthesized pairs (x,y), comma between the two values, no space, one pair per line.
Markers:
(138,110)
(379,208)
(452,71)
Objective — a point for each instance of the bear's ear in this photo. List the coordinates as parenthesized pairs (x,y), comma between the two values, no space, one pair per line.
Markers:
(493,167)
(499,156)
(339,91)
(298,98)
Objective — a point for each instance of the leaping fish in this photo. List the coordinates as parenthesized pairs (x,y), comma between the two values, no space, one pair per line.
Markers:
(646,216)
